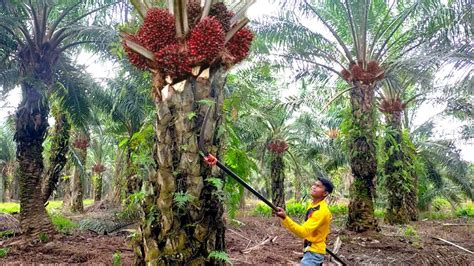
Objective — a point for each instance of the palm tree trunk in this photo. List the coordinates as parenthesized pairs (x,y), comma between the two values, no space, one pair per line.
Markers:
(119,187)
(396,180)
(30,132)
(76,182)
(278,180)
(363,159)
(133,180)
(400,176)
(98,187)
(7,183)
(59,150)
(173,235)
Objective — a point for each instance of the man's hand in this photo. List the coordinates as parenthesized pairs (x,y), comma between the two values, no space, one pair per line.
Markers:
(280,213)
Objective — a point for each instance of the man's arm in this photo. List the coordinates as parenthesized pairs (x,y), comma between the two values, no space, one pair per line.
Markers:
(303,230)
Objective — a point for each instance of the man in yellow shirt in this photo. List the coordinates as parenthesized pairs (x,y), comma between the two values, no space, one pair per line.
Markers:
(315,229)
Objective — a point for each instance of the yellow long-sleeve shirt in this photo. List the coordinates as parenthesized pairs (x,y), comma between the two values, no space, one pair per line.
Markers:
(315,229)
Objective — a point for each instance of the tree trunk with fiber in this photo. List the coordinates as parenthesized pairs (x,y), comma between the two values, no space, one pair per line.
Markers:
(81,144)
(183,220)
(58,159)
(98,187)
(133,180)
(278,180)
(363,159)
(30,131)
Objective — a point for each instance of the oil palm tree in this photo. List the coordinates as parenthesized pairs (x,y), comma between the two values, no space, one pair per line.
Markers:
(129,110)
(70,109)
(7,161)
(35,35)
(365,39)
(188,54)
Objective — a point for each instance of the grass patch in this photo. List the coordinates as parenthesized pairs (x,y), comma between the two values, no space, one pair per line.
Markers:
(3,252)
(436,215)
(379,213)
(63,224)
(339,209)
(465,211)
(53,206)
(9,207)
(262,210)
(6,234)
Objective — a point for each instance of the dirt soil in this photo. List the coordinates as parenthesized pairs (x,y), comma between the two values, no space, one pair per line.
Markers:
(82,248)
(393,245)
(263,241)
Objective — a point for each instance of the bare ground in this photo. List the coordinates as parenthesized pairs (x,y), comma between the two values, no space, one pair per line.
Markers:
(393,245)
(263,241)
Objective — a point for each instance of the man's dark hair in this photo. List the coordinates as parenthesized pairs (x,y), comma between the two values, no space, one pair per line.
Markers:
(328,186)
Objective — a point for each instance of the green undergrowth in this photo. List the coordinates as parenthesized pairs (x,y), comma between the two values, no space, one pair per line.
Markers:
(339,211)
(63,224)
(53,206)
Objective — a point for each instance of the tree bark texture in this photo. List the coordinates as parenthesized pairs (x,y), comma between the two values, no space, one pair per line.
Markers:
(278,180)
(400,176)
(76,179)
(58,159)
(363,159)
(30,132)
(170,234)
(98,187)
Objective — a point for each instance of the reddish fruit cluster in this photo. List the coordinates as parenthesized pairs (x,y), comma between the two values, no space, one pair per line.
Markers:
(158,30)
(80,143)
(391,106)
(194,12)
(210,160)
(206,40)
(278,146)
(204,45)
(173,61)
(135,58)
(356,72)
(222,14)
(98,168)
(239,45)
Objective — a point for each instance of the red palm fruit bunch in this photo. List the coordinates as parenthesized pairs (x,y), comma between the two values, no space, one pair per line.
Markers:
(173,60)
(356,72)
(238,46)
(221,13)
(157,30)
(203,45)
(135,58)
(206,41)
(194,12)
(278,146)
(80,143)
(98,168)
(391,106)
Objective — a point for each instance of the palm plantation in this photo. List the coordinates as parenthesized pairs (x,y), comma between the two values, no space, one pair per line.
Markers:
(130,109)
(367,47)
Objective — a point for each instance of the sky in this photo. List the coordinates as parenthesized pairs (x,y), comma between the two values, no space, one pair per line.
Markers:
(103,70)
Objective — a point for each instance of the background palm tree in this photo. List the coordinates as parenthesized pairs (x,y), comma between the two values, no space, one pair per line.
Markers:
(70,108)
(367,39)
(7,162)
(37,35)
